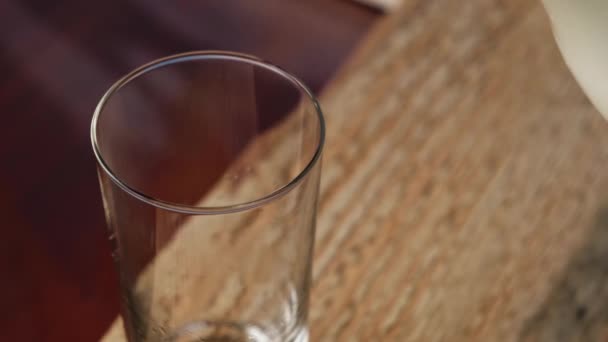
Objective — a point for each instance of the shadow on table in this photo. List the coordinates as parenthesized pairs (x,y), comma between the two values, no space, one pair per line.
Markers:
(577,308)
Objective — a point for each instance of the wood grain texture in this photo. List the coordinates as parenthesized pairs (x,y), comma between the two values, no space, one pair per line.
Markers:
(464,185)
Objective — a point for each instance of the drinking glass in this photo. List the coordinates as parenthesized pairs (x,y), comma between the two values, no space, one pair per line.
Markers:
(209,165)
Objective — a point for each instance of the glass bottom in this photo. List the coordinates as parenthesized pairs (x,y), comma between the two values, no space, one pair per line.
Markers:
(234,332)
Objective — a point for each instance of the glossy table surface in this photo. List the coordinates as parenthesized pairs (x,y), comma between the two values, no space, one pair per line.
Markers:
(464,185)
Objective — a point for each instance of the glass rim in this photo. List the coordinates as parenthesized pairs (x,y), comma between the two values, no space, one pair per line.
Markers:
(198,56)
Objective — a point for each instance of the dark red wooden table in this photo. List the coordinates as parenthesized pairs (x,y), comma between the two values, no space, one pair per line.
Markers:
(56,60)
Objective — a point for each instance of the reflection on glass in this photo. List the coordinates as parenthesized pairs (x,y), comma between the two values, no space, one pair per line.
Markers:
(209,165)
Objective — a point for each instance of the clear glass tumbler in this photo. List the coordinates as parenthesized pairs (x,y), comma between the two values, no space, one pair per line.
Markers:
(209,164)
